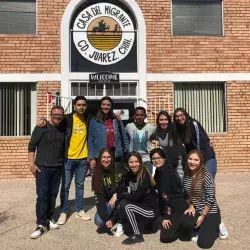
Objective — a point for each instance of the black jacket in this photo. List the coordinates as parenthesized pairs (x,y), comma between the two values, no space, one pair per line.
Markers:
(143,193)
(170,189)
(199,140)
(174,153)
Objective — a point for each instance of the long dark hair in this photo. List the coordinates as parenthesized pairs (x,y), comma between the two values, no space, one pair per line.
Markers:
(97,178)
(170,124)
(100,115)
(198,179)
(142,169)
(182,133)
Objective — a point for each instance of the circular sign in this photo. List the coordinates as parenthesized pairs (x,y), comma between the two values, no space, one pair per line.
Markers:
(103,33)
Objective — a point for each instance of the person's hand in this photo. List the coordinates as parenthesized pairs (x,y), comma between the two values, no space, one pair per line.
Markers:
(199,221)
(211,144)
(109,224)
(166,224)
(41,123)
(92,163)
(34,169)
(190,211)
(112,201)
(119,115)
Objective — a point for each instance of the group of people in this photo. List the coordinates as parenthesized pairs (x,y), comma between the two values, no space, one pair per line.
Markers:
(147,178)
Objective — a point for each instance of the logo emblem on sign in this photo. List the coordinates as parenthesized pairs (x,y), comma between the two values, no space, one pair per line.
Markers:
(103,33)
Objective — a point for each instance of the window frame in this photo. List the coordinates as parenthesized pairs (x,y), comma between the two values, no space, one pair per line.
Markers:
(190,35)
(33,108)
(224,100)
(35,33)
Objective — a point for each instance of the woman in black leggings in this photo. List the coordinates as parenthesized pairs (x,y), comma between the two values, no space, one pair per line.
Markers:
(203,212)
(171,196)
(139,206)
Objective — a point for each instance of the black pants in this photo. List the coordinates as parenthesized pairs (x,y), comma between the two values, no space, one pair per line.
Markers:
(208,230)
(47,187)
(136,216)
(175,231)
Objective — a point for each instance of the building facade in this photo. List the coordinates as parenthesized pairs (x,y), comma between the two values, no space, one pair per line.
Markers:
(161,54)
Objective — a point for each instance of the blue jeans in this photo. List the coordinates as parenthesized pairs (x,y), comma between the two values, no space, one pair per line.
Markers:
(98,221)
(47,187)
(149,165)
(211,167)
(79,168)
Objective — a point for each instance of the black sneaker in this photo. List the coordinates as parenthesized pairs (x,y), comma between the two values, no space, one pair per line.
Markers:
(40,230)
(133,239)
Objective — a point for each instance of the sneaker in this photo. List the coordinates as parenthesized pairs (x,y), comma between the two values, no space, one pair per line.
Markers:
(81,214)
(223,233)
(62,219)
(117,230)
(38,232)
(133,239)
(195,238)
(53,225)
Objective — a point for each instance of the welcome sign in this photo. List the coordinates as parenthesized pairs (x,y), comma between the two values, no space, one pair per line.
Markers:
(103,33)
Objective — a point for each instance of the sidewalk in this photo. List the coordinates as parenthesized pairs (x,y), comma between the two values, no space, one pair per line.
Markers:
(17,220)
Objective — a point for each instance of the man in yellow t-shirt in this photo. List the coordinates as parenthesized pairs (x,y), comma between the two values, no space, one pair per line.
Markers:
(76,160)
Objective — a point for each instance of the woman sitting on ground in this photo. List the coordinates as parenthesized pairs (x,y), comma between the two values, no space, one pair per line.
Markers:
(203,213)
(171,196)
(139,206)
(106,182)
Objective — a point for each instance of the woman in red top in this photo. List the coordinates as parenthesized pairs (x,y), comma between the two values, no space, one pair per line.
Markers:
(105,131)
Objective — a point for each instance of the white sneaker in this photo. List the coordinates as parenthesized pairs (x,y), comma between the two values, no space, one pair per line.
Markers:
(194,238)
(40,230)
(62,219)
(82,215)
(119,231)
(223,233)
(53,225)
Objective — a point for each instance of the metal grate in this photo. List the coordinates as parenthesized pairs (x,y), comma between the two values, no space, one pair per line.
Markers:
(203,101)
(15,109)
(122,89)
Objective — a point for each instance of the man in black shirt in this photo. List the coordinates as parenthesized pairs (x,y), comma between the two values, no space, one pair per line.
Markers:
(49,144)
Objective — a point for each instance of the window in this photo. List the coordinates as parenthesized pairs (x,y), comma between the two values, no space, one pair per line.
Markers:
(16,111)
(128,89)
(197,18)
(205,102)
(18,17)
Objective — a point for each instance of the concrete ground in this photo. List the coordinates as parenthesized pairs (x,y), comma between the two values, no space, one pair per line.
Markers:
(17,220)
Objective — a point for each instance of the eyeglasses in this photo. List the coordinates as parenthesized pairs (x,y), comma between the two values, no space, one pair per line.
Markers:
(57,115)
(179,116)
(157,158)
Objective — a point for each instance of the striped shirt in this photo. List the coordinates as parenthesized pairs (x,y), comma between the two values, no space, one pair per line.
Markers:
(208,194)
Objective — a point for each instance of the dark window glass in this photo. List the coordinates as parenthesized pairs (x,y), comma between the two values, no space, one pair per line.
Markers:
(192,17)
(18,17)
